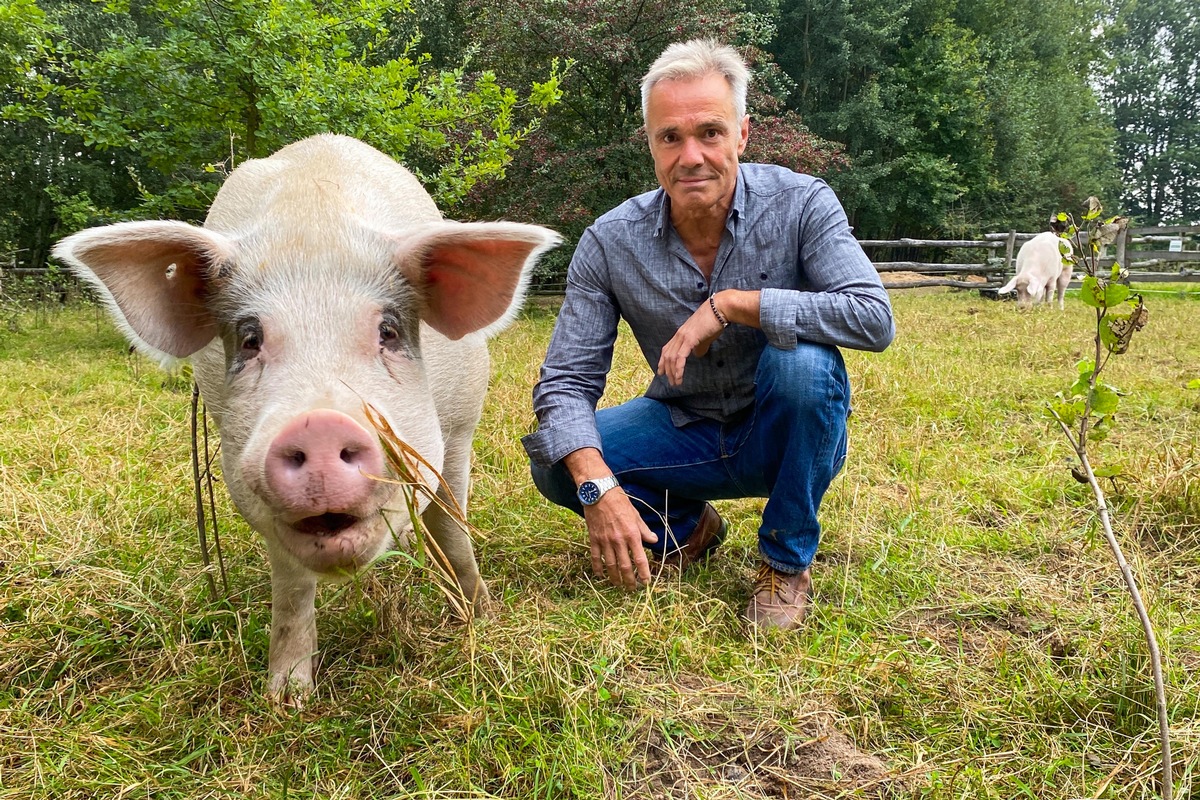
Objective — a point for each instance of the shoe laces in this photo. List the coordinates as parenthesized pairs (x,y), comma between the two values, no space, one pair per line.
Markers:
(767,580)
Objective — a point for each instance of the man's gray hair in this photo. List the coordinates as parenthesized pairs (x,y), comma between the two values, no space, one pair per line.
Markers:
(695,59)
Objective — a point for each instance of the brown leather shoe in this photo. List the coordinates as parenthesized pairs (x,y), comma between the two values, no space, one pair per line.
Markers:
(709,532)
(780,599)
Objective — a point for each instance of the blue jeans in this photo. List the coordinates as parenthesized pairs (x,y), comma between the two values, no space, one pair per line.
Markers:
(788,447)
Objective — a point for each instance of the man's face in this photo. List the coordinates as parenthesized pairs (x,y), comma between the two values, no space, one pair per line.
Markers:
(695,139)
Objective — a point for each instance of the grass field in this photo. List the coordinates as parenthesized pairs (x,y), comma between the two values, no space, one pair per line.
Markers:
(971,636)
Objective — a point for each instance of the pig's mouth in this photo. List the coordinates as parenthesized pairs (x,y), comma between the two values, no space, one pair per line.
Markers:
(327,524)
(333,543)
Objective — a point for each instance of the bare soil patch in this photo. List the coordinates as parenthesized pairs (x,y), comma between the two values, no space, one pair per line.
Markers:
(757,758)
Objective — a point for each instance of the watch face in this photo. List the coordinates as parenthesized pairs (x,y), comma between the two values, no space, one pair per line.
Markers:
(589,493)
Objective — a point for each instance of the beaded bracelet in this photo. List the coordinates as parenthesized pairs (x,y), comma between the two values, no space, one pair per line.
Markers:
(716,313)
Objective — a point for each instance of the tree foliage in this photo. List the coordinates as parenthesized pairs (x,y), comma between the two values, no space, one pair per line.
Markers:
(1053,139)
(957,115)
(47,190)
(929,117)
(184,90)
(1154,91)
(591,154)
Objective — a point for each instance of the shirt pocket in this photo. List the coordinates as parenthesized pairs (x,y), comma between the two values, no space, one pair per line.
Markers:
(764,274)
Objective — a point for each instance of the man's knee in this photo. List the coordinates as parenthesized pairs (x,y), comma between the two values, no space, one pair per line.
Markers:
(805,378)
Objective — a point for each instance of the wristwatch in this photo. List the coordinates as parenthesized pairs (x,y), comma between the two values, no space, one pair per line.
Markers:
(590,491)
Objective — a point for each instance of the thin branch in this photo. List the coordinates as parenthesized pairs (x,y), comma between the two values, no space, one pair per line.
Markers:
(201,527)
(212,504)
(1164,725)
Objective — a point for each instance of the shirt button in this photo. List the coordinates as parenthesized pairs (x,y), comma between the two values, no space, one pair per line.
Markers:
(763,275)
(720,363)
(700,285)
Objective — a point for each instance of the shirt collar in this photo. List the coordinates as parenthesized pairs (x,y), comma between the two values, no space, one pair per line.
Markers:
(736,210)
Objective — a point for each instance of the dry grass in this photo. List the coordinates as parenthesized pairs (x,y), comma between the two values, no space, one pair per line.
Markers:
(971,637)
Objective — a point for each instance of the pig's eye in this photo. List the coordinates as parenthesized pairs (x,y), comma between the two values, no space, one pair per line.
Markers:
(251,337)
(389,335)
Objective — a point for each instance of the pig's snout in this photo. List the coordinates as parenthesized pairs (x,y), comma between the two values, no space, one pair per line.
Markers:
(319,469)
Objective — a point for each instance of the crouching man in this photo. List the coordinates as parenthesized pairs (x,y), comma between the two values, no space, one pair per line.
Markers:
(739,282)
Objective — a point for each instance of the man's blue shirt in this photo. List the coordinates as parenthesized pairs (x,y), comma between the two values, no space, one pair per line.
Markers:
(786,235)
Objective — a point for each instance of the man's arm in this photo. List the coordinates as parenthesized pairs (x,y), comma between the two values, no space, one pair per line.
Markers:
(572,381)
(577,361)
(844,303)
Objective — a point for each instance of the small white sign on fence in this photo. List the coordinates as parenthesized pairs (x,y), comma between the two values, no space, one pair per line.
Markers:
(1175,246)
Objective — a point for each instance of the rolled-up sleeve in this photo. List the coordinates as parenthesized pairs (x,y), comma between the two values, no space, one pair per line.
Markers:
(577,361)
(843,302)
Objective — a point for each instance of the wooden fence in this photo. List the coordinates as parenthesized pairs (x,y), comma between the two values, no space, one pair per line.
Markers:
(1151,254)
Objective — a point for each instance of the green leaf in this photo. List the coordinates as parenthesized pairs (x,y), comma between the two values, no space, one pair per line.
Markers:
(1108,472)
(1110,338)
(1194,383)
(1099,293)
(1104,399)
(1067,410)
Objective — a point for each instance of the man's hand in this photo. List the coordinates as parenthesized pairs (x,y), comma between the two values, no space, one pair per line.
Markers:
(702,328)
(617,536)
(616,531)
(694,337)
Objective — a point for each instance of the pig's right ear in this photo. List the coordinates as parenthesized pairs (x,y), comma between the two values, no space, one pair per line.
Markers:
(471,276)
(155,278)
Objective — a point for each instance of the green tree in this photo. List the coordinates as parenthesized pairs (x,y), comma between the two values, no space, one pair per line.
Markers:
(901,84)
(957,114)
(1053,142)
(1085,412)
(842,56)
(48,186)
(590,153)
(1154,93)
(191,88)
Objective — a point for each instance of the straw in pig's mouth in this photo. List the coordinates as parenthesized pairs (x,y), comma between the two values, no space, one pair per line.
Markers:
(328,524)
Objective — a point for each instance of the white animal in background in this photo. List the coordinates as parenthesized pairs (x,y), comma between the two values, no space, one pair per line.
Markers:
(1043,267)
(324,278)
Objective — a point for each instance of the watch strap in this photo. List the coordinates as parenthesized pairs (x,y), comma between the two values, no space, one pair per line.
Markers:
(603,485)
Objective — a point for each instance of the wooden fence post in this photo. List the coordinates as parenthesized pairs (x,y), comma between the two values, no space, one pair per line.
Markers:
(1008,251)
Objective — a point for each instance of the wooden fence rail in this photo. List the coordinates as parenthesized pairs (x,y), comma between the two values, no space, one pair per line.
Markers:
(1170,264)
(998,268)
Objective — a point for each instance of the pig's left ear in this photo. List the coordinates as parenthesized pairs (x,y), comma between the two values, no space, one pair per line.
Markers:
(155,278)
(472,275)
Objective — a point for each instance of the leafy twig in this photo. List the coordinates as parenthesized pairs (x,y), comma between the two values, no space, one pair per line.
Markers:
(1091,405)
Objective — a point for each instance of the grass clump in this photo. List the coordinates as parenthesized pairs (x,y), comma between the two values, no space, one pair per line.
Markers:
(970,635)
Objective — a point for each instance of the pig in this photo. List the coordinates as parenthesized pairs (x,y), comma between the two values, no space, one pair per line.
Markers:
(324,279)
(1042,267)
